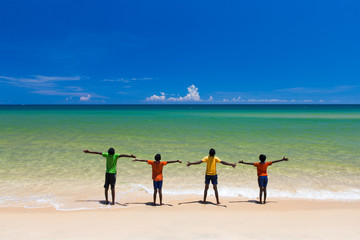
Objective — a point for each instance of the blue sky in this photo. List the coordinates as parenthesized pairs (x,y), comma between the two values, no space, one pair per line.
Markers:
(131,52)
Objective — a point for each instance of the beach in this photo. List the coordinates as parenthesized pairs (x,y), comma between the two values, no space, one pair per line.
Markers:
(239,218)
(49,188)
(240,119)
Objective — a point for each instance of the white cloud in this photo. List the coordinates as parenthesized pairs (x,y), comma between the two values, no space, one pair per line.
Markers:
(87,98)
(127,80)
(267,100)
(192,96)
(336,89)
(48,85)
(36,81)
(117,80)
(76,89)
(234,100)
(253,100)
(55,92)
(238,99)
(56,78)
(156,98)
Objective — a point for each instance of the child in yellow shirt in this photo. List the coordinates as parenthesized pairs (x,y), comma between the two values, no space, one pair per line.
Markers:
(211,174)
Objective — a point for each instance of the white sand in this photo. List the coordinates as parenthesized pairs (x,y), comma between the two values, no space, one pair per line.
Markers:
(240,219)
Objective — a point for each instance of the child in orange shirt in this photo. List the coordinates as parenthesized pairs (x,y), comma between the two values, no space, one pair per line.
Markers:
(157,167)
(262,174)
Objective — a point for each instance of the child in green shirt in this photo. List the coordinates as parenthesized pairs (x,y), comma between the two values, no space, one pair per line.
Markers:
(110,176)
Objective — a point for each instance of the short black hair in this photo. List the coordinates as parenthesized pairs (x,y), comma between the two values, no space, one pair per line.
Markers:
(157,157)
(212,152)
(262,158)
(111,151)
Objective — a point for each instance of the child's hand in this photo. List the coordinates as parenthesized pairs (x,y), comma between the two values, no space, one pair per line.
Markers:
(133,156)
(86,151)
(179,161)
(285,159)
(188,164)
(233,165)
(241,161)
(134,160)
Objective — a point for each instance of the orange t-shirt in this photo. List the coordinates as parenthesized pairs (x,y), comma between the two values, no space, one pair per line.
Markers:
(157,167)
(261,168)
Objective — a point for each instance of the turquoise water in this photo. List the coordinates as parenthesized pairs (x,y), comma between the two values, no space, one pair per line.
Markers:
(41,159)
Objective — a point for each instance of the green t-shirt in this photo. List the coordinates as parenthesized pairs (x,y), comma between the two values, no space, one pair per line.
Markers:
(111,161)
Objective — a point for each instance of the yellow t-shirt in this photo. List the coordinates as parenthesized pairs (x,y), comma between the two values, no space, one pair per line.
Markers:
(211,164)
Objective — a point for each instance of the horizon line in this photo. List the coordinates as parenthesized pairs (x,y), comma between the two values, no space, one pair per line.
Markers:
(172,104)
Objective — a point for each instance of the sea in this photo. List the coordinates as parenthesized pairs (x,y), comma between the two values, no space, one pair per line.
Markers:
(42,163)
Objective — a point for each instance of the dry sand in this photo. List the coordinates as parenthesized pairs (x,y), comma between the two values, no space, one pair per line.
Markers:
(186,218)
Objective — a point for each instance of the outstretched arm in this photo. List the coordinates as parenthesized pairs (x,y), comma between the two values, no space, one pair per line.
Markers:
(174,161)
(138,160)
(193,163)
(129,156)
(229,164)
(283,159)
(87,151)
(241,161)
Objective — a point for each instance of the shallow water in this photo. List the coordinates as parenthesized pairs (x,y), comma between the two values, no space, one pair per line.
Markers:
(41,159)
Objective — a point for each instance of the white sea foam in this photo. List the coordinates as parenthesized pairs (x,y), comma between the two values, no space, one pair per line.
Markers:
(32,202)
(28,202)
(350,195)
(71,205)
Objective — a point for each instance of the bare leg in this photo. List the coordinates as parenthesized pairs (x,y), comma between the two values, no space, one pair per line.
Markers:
(106,195)
(113,195)
(205,191)
(155,191)
(216,193)
(160,196)
(260,195)
(264,195)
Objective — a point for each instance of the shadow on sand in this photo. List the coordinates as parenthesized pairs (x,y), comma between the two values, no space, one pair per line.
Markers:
(202,202)
(147,204)
(103,202)
(252,201)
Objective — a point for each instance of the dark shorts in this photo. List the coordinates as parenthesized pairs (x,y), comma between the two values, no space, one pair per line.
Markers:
(213,178)
(158,184)
(263,181)
(110,179)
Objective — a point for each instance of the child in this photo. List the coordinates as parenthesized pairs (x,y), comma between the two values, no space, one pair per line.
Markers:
(157,167)
(110,176)
(262,174)
(211,174)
